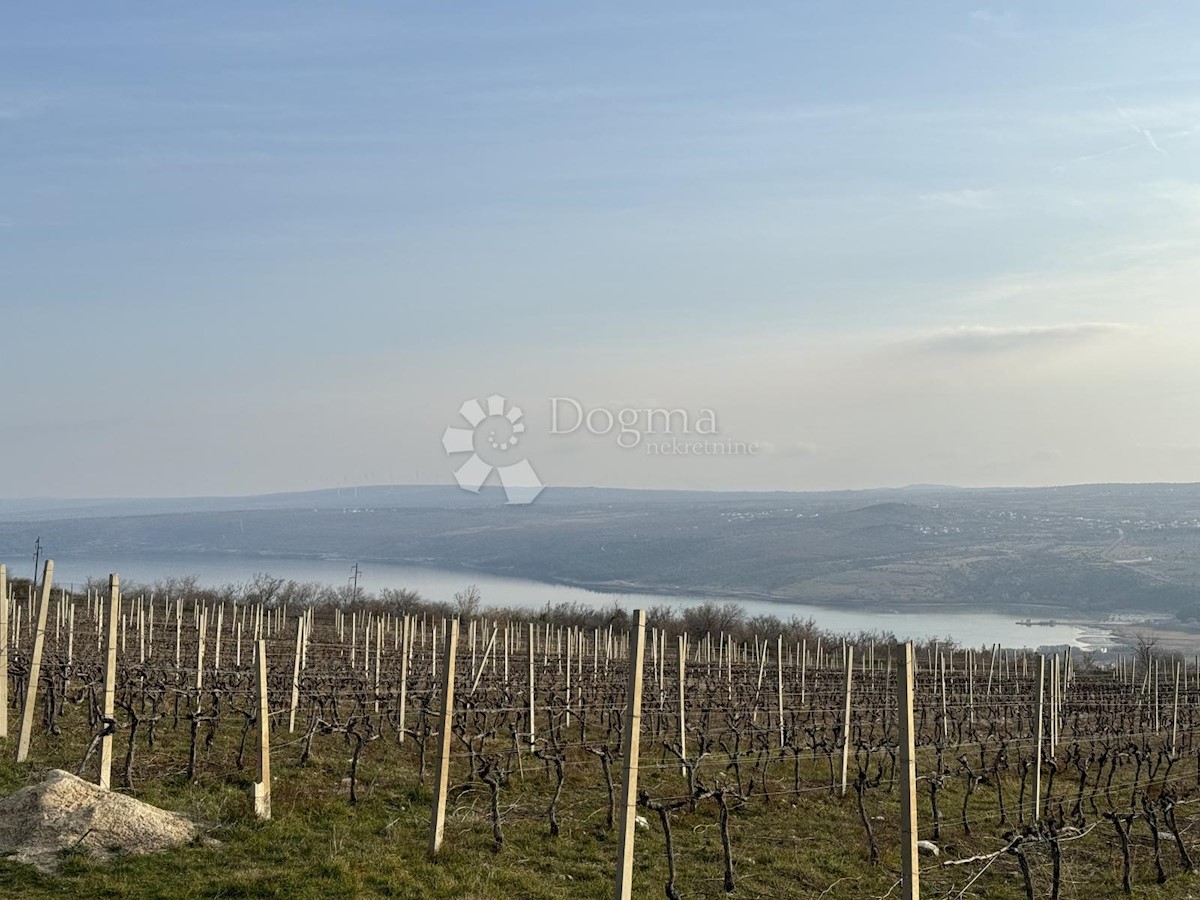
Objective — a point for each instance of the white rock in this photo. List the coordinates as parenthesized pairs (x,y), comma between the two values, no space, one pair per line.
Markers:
(640,822)
(928,847)
(39,822)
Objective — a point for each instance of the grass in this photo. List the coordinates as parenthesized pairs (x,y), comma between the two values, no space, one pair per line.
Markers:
(319,845)
(785,843)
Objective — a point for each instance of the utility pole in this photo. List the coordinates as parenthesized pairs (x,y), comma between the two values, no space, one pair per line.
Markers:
(37,557)
(354,579)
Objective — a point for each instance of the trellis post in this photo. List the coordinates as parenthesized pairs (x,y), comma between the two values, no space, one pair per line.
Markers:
(1037,767)
(3,651)
(849,651)
(35,664)
(110,682)
(437,824)
(682,697)
(296,675)
(632,745)
(909,866)
(262,788)
(779,685)
(405,649)
(532,683)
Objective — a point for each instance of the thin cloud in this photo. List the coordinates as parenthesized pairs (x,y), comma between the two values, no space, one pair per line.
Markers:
(971,339)
(1138,129)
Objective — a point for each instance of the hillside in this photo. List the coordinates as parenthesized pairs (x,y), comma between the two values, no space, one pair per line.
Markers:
(1090,548)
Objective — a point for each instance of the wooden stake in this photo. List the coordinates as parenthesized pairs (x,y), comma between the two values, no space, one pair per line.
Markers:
(406,649)
(849,650)
(1037,768)
(437,824)
(110,683)
(632,742)
(378,658)
(532,684)
(3,651)
(1175,715)
(217,642)
(35,665)
(682,694)
(296,675)
(779,684)
(910,885)
(202,631)
(262,788)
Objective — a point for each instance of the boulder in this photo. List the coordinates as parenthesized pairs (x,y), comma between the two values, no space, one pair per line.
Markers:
(40,823)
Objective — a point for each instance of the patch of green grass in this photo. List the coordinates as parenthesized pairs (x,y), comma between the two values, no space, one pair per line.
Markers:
(319,845)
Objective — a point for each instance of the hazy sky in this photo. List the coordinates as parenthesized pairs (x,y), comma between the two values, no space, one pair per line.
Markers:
(258,247)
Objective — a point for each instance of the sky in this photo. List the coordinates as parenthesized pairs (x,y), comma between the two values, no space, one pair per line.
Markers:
(263,247)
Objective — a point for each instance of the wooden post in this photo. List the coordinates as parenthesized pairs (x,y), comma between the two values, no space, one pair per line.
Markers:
(779,684)
(35,664)
(217,642)
(682,694)
(945,714)
(1175,715)
(3,651)
(1154,686)
(378,657)
(308,628)
(909,867)
(532,683)
(1055,694)
(262,788)
(849,651)
(482,665)
(110,682)
(570,631)
(1037,767)
(405,649)
(632,742)
(201,631)
(803,669)
(296,675)
(437,824)
(971,688)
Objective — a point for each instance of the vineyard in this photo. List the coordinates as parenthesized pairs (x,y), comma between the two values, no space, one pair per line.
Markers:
(334,751)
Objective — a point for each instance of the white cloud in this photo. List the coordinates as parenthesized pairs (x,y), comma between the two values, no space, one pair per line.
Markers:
(993,339)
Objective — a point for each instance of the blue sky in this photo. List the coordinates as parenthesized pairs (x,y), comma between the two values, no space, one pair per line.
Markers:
(273,246)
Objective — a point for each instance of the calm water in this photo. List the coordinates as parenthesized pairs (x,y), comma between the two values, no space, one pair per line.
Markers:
(967,628)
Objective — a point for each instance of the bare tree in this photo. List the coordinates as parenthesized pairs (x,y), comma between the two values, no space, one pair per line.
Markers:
(1143,649)
(468,602)
(401,600)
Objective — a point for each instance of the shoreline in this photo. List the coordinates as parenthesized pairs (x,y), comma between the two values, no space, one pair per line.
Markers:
(1105,636)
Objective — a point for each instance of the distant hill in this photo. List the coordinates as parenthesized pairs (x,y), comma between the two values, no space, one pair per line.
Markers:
(1038,550)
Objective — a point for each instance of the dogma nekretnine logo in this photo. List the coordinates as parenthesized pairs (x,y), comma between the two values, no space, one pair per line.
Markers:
(492,440)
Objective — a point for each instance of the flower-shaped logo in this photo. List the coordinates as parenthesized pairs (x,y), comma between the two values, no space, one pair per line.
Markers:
(493,436)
